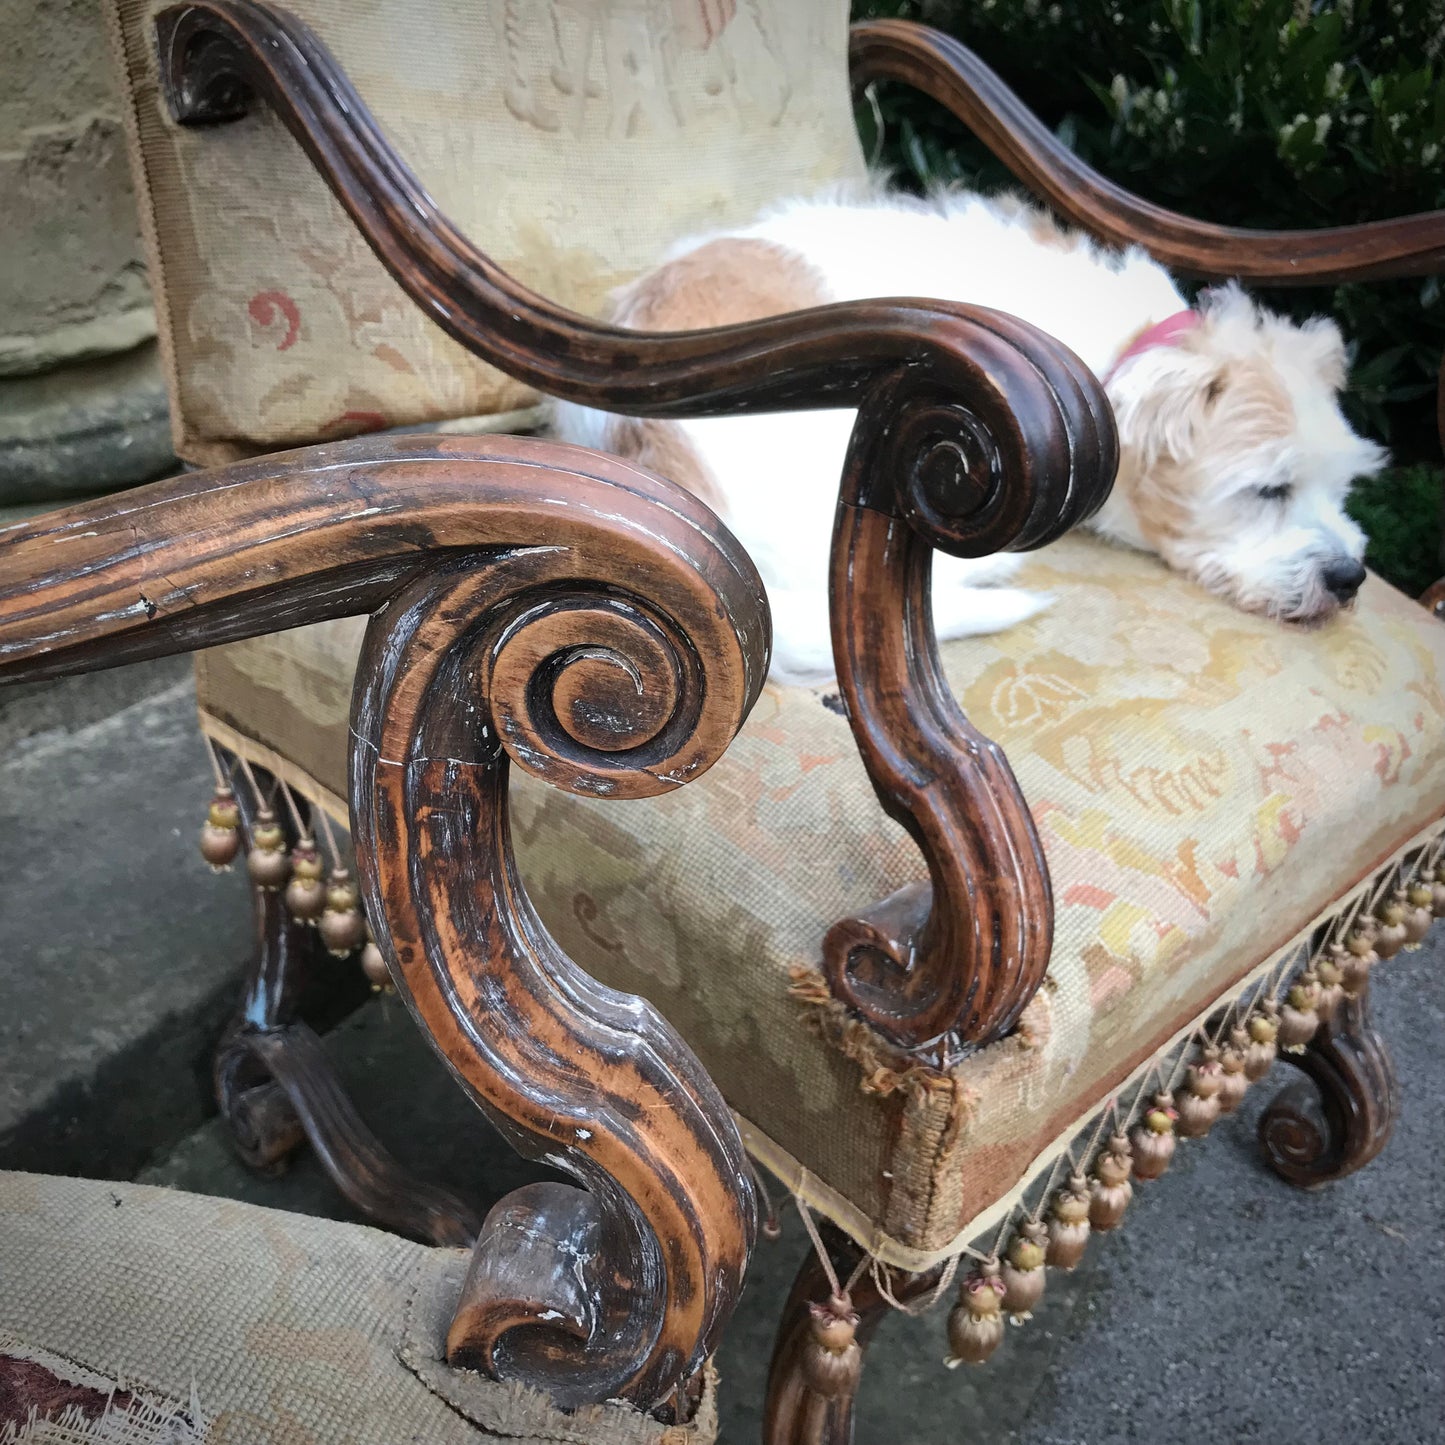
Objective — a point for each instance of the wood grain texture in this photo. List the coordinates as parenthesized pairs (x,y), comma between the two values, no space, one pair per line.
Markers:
(943,969)
(949,72)
(503,574)
(976,434)
(274,1084)
(1340,1115)
(355,1160)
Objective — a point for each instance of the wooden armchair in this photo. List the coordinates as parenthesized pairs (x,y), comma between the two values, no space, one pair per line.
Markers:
(956,1000)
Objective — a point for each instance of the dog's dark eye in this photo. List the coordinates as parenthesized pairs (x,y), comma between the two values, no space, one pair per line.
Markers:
(1280,492)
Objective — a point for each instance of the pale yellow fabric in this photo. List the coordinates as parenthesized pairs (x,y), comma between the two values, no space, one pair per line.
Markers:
(1205,784)
(285,1328)
(572,140)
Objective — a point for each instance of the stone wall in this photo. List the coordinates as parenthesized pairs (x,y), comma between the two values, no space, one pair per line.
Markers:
(82,406)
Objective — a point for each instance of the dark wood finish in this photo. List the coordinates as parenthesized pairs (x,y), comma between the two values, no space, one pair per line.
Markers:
(798,1411)
(1339,1116)
(977,433)
(275,1086)
(524,1271)
(284,963)
(503,574)
(953,75)
(568,1069)
(941,968)
(360,1167)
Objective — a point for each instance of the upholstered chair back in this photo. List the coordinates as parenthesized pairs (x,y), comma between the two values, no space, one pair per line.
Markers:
(572,140)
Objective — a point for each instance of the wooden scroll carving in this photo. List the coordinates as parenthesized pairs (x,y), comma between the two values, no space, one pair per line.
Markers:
(1339,1116)
(976,433)
(949,72)
(533,604)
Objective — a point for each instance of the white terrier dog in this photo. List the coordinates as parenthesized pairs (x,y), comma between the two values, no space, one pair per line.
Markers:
(1234,456)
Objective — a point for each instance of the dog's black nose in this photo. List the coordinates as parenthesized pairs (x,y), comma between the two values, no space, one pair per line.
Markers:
(1342,577)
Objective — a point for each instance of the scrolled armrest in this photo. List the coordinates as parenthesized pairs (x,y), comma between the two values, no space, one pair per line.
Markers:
(536,604)
(948,71)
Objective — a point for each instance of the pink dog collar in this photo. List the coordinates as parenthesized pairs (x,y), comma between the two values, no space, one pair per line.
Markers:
(1161,333)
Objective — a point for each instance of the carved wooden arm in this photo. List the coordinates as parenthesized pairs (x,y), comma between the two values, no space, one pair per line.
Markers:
(949,72)
(977,433)
(536,604)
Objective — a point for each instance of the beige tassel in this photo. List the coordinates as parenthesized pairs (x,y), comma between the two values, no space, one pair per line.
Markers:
(1069,1227)
(341,926)
(1391,935)
(832,1359)
(1233,1081)
(1437,889)
(1299,1019)
(1331,971)
(1360,957)
(1111,1191)
(220,834)
(1154,1139)
(267,862)
(1418,918)
(1263,1034)
(1023,1271)
(306,893)
(1200,1106)
(975,1324)
(373,965)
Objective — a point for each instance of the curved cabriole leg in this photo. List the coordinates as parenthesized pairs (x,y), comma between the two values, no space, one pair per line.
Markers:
(1340,1115)
(620,1290)
(275,1086)
(810,1397)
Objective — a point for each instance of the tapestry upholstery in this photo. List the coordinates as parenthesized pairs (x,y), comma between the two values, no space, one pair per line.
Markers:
(1206,784)
(572,140)
(279,1327)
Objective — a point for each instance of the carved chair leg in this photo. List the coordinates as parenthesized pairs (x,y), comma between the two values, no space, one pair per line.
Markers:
(276,1088)
(1339,1116)
(807,1405)
(359,1166)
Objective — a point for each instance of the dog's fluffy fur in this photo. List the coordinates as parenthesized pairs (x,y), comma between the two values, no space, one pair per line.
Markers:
(1235,457)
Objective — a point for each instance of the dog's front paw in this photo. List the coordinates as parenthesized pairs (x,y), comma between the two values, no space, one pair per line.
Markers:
(973,611)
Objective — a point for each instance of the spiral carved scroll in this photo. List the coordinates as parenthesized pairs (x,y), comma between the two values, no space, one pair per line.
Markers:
(944,968)
(1341,1114)
(466,670)
(617,659)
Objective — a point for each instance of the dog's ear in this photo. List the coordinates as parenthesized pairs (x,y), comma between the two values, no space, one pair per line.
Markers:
(1322,349)
(1163,399)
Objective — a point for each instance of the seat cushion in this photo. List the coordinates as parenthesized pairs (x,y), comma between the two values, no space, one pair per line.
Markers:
(1207,785)
(269,1327)
(571,140)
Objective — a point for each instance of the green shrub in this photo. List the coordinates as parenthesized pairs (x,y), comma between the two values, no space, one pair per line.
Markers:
(1242,112)
(1401,514)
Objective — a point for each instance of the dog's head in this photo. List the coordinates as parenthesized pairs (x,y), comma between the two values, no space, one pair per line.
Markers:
(1235,460)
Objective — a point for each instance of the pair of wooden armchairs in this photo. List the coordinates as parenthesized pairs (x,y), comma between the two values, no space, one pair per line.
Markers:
(955,948)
